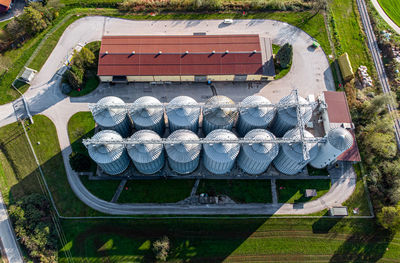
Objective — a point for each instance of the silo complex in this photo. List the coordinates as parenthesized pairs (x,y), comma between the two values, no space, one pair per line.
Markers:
(255,158)
(183,117)
(148,158)
(183,158)
(286,117)
(255,117)
(218,117)
(290,159)
(218,157)
(148,118)
(112,158)
(338,141)
(109,118)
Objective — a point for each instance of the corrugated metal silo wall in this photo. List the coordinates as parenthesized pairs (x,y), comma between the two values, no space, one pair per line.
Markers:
(116,167)
(151,167)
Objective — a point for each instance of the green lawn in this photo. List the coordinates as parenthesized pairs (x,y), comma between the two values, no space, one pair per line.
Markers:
(156,191)
(241,191)
(316,172)
(231,240)
(392,9)
(350,38)
(103,189)
(20,173)
(80,126)
(293,190)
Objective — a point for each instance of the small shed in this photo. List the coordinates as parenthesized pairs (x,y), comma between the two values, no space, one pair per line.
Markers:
(338,211)
(311,193)
(28,75)
(345,67)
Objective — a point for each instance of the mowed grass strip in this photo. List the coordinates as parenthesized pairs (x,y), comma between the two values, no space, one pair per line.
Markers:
(230,240)
(392,9)
(21,173)
(241,191)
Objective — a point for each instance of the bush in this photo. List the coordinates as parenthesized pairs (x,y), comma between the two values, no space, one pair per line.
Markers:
(389,217)
(161,248)
(79,162)
(82,62)
(284,56)
(34,228)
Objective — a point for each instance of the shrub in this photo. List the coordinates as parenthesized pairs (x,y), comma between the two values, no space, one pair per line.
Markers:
(284,55)
(389,217)
(161,248)
(79,162)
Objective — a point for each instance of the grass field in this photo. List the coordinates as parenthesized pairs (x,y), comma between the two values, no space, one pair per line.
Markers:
(156,191)
(392,9)
(80,126)
(241,191)
(231,240)
(20,174)
(292,191)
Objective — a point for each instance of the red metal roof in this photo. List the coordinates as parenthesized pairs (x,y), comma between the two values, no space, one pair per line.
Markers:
(338,112)
(116,56)
(4,5)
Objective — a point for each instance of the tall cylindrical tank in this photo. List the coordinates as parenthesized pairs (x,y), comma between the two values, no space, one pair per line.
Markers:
(255,117)
(218,157)
(148,118)
(218,117)
(148,158)
(112,158)
(183,158)
(255,158)
(183,117)
(338,141)
(290,159)
(286,118)
(109,118)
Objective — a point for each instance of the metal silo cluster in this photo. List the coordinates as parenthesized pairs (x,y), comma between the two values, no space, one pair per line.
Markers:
(148,118)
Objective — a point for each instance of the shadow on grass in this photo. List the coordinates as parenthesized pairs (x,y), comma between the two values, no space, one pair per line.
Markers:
(293,191)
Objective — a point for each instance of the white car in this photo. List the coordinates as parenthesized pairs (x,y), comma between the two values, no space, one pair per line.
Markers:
(228,21)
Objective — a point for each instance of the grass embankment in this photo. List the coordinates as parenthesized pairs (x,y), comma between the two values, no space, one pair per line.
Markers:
(241,191)
(231,240)
(348,34)
(20,173)
(307,21)
(392,9)
(293,191)
(156,191)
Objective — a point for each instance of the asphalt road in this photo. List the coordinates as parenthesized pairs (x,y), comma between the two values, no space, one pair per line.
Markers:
(7,236)
(376,55)
(385,17)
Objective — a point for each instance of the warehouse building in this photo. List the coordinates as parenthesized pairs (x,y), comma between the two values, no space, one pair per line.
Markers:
(187,58)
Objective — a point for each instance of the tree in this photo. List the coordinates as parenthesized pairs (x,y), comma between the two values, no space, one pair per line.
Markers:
(32,20)
(79,162)
(84,58)
(75,77)
(161,248)
(284,55)
(389,217)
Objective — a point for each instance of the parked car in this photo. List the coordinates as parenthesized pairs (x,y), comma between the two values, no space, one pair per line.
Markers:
(228,21)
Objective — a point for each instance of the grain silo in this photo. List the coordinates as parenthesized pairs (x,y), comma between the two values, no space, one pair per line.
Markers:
(338,141)
(112,158)
(112,118)
(286,117)
(290,159)
(183,158)
(183,117)
(148,118)
(218,157)
(254,117)
(148,158)
(254,158)
(218,117)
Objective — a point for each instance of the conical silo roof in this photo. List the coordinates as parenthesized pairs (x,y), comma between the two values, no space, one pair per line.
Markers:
(106,153)
(221,152)
(183,152)
(340,138)
(183,116)
(261,151)
(146,116)
(108,116)
(258,115)
(290,114)
(218,115)
(295,150)
(146,152)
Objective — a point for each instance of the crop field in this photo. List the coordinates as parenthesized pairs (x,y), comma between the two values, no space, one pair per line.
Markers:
(392,9)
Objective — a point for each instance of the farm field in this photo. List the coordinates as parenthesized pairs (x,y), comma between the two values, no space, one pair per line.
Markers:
(392,9)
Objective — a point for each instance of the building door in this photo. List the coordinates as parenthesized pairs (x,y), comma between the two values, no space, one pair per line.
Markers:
(200,78)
